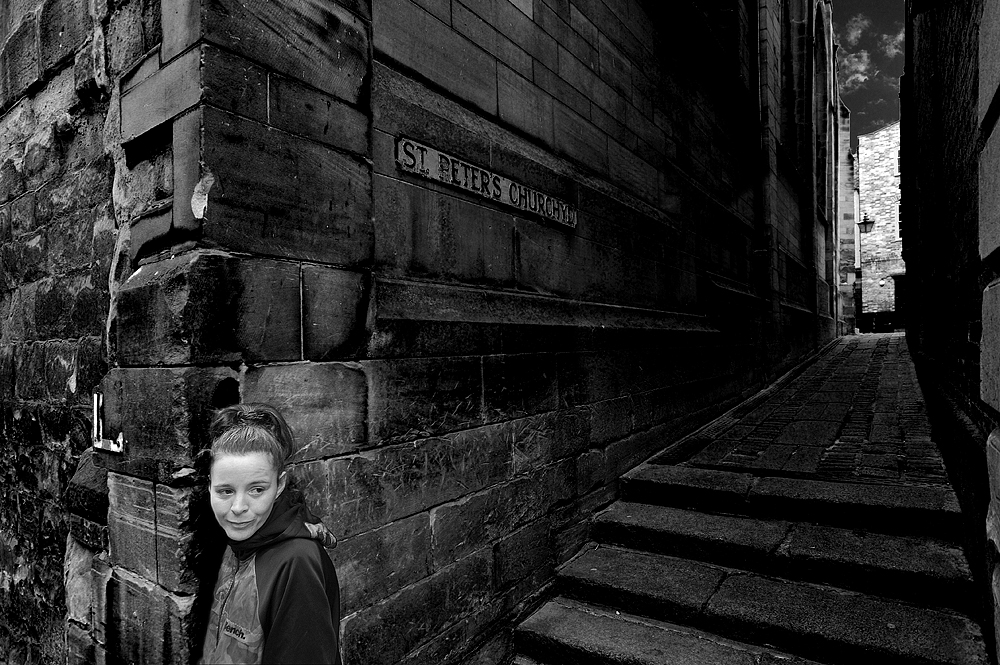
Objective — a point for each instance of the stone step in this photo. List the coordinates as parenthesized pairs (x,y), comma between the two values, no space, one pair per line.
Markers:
(898,509)
(923,571)
(564,631)
(813,621)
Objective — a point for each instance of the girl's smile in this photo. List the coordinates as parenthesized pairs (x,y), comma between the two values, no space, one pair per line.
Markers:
(243,489)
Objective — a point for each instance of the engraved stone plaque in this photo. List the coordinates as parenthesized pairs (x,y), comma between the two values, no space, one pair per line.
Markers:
(426,162)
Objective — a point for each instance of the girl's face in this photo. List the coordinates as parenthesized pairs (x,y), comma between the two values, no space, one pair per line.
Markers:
(243,490)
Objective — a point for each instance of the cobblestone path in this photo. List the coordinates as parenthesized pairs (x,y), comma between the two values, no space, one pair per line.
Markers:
(856,413)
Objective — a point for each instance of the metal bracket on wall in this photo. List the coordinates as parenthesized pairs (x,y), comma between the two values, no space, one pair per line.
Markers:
(97,434)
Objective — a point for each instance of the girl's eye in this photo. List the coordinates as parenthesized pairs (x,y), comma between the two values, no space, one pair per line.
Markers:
(224,492)
(256,491)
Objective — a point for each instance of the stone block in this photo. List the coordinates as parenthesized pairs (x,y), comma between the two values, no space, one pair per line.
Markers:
(90,70)
(325,404)
(489,39)
(386,632)
(611,420)
(29,371)
(87,492)
(22,215)
(234,84)
(101,572)
(412,398)
(7,376)
(510,21)
(376,564)
(632,172)
(523,553)
(70,242)
(303,200)
(993,463)
(77,581)
(406,33)
(378,486)
(557,26)
(560,90)
(571,523)
(78,192)
(299,109)
(178,310)
(474,521)
(150,230)
(163,414)
(90,534)
(24,260)
(989,360)
(431,233)
(147,624)
(19,61)
(333,310)
(989,58)
(550,261)
(591,471)
(321,44)
(166,94)
(398,110)
(518,385)
(176,550)
(132,524)
(575,137)
(452,645)
(62,26)
(181,24)
(268,310)
(80,648)
(11,179)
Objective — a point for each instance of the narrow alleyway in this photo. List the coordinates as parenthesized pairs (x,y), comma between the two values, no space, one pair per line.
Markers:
(815,520)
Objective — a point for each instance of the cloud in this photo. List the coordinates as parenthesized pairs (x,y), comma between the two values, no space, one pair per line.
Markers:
(891,45)
(854,70)
(856,26)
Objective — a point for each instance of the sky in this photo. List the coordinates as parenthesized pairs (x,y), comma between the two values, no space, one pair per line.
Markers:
(870,61)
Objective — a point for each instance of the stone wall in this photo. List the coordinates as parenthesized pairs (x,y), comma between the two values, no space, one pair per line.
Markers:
(989,254)
(57,240)
(951,54)
(467,372)
(881,248)
(847,223)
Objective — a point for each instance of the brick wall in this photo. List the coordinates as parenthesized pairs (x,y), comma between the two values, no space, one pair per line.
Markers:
(881,248)
(57,236)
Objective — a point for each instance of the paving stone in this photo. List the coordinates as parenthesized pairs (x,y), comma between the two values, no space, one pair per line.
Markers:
(918,569)
(681,486)
(563,631)
(650,584)
(678,532)
(851,626)
(810,432)
(888,507)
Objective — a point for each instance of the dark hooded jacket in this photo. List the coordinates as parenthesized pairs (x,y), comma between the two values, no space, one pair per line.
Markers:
(277,599)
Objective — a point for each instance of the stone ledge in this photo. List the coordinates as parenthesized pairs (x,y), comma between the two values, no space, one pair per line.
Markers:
(399,299)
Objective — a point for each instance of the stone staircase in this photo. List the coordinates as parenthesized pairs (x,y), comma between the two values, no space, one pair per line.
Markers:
(708,567)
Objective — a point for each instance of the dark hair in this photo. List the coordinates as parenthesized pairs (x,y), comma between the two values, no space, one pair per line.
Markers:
(252,428)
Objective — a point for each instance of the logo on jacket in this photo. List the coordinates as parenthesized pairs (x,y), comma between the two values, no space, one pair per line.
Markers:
(235,631)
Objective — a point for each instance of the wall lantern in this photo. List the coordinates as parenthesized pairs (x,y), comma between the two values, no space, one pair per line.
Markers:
(865,225)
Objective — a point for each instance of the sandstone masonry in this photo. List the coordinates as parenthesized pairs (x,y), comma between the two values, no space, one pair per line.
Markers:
(882,266)
(219,214)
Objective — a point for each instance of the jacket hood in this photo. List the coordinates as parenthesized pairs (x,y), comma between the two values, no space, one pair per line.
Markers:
(289,518)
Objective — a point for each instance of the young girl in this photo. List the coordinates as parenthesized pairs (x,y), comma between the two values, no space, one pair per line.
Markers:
(277,599)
